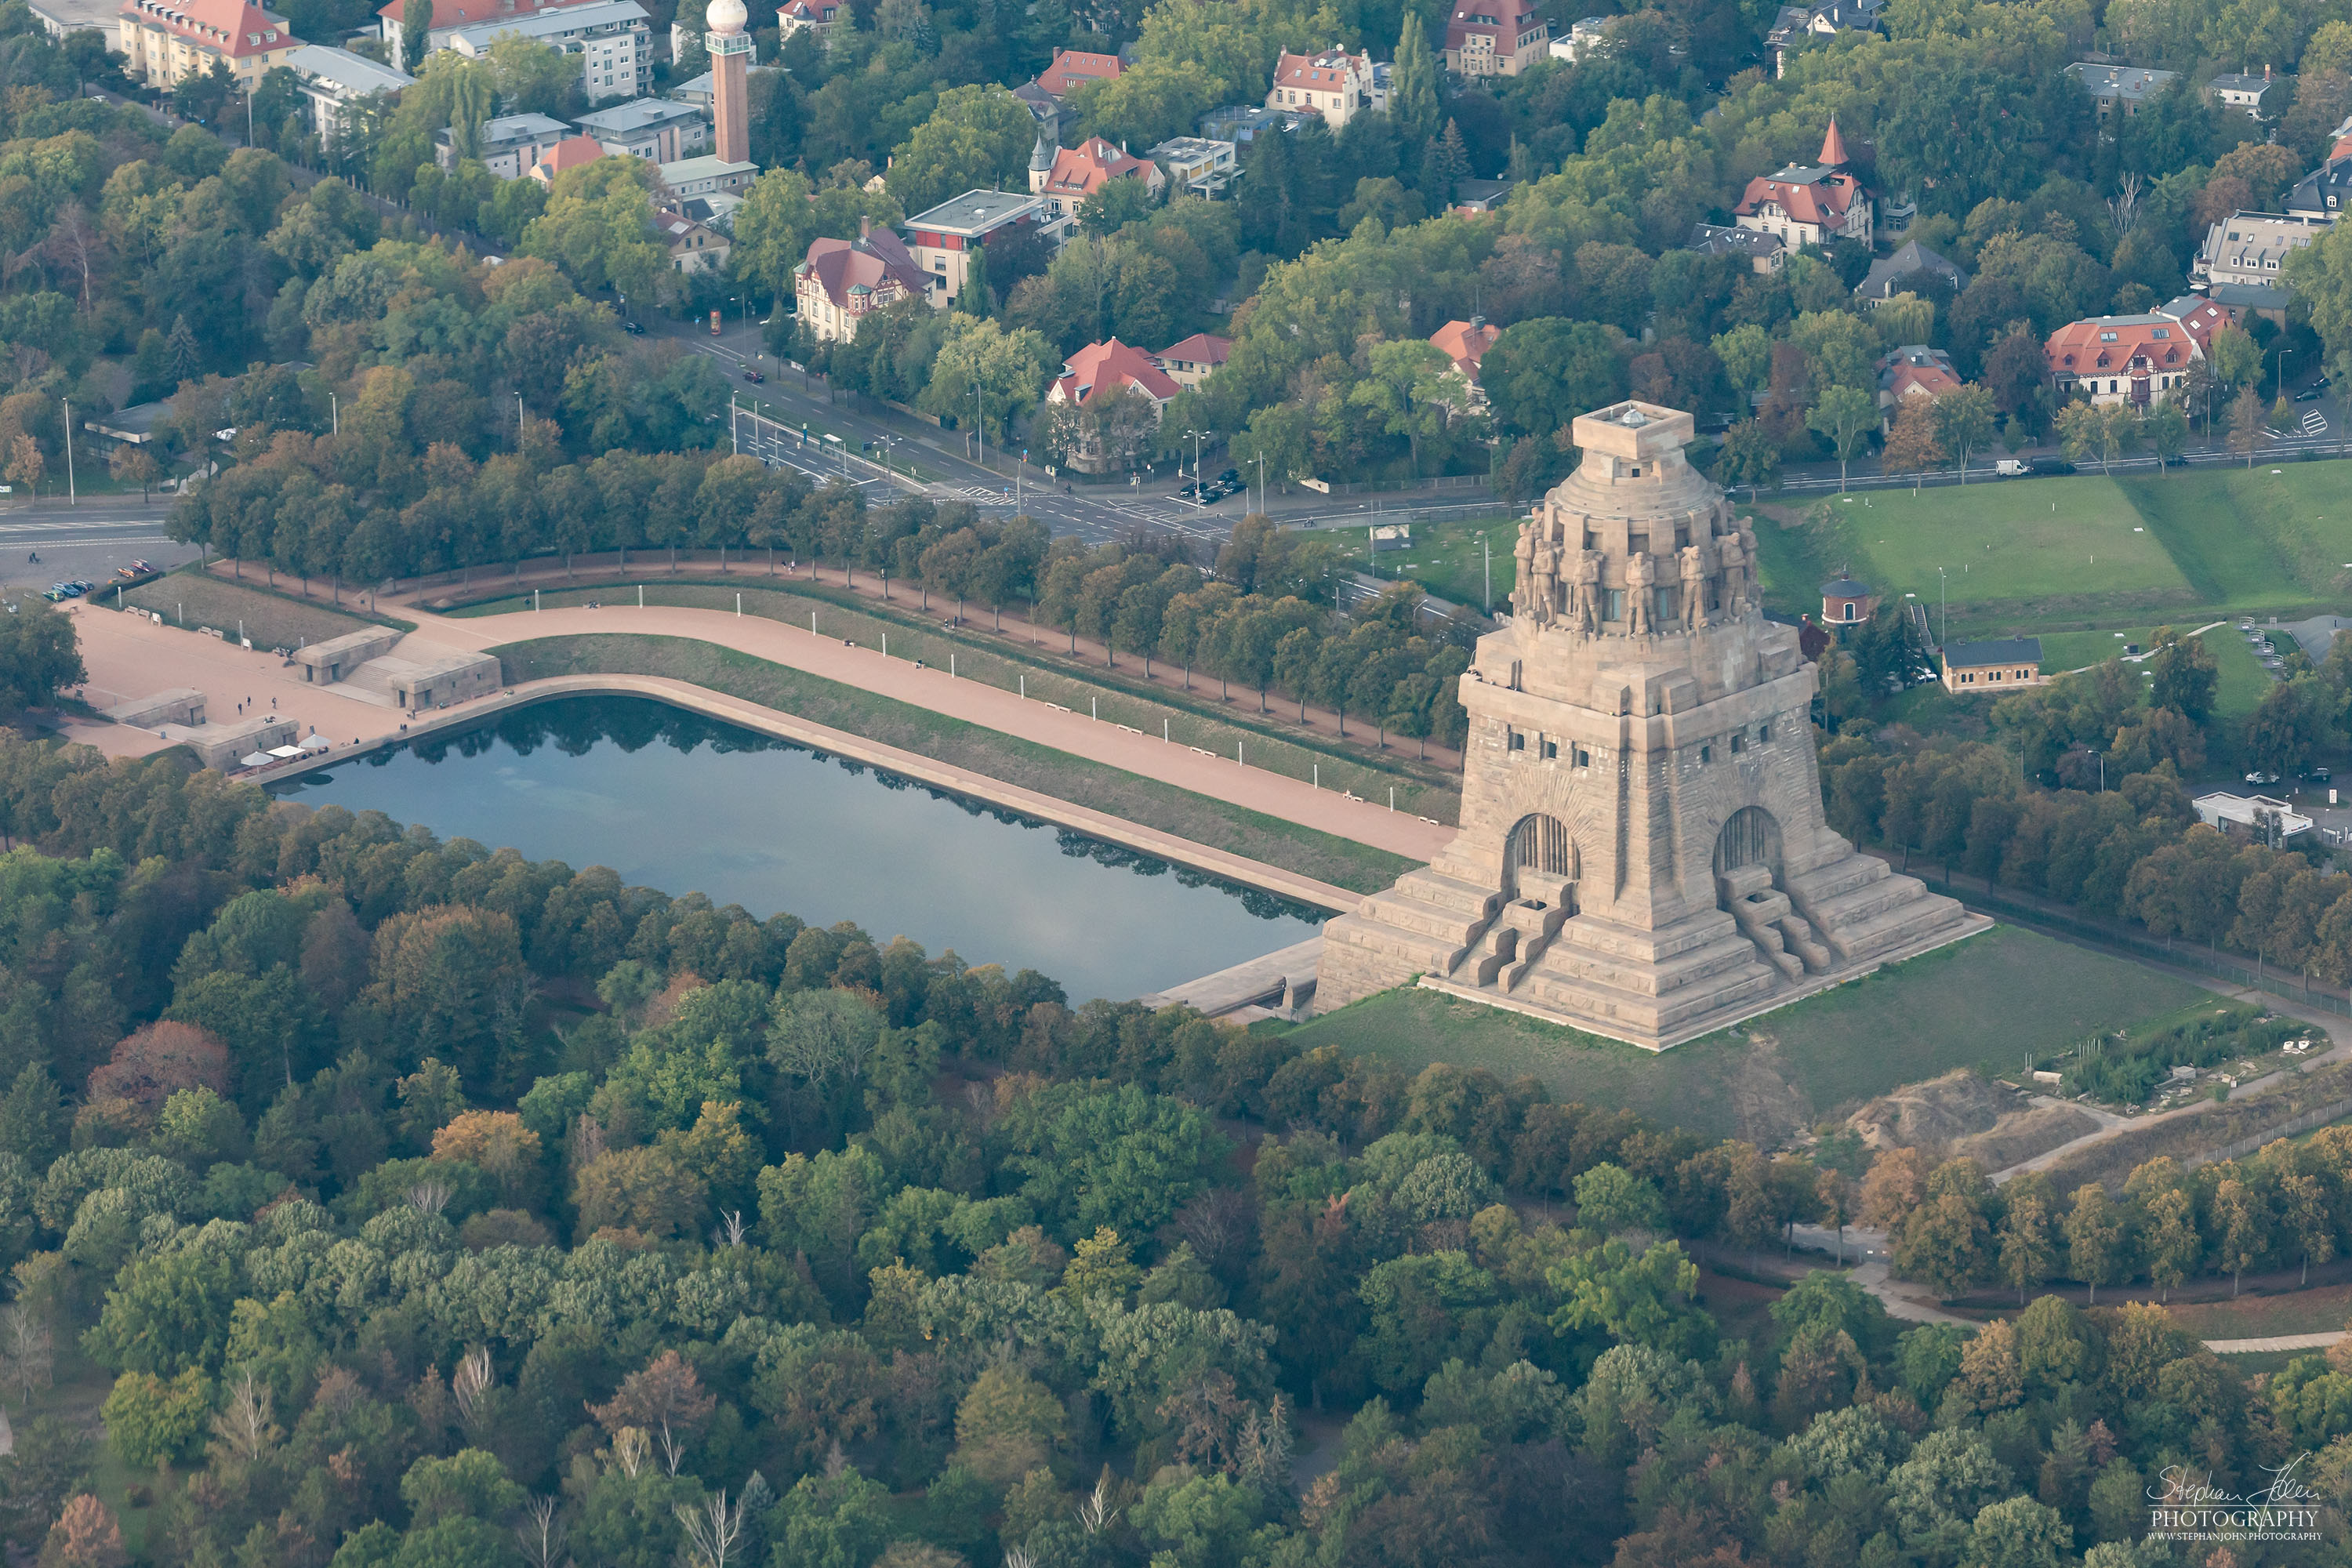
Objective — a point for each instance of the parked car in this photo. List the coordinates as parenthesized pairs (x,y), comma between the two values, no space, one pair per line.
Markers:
(2318,775)
(2258,777)
(634,329)
(2052,466)
(2177,460)
(1230,477)
(2309,394)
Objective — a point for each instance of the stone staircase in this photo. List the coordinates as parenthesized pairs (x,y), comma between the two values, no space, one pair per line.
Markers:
(1768,919)
(1862,910)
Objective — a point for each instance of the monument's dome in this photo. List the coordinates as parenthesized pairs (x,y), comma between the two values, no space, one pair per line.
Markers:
(726,15)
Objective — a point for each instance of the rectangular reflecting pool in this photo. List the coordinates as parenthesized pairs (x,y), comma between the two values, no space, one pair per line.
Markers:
(675,801)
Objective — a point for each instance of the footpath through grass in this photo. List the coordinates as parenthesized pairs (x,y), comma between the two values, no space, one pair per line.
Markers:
(1983,1002)
(1270,742)
(1325,857)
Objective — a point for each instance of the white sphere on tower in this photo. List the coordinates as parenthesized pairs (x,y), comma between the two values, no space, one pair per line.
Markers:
(726,16)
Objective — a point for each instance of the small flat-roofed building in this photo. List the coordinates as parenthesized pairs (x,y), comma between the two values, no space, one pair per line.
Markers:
(943,237)
(224,747)
(182,705)
(2259,818)
(332,79)
(323,663)
(1200,164)
(510,145)
(1981,668)
(660,130)
(60,18)
(134,425)
(707,175)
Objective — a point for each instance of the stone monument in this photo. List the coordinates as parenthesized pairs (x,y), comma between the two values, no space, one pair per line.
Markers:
(1643,853)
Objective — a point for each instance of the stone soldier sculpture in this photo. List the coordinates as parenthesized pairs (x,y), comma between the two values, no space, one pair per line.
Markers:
(1584,590)
(1737,549)
(1692,559)
(1544,580)
(1523,597)
(1640,576)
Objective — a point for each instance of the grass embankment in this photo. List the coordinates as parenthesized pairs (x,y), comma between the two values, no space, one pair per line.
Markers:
(1309,853)
(1270,742)
(194,598)
(1986,1000)
(2319,1309)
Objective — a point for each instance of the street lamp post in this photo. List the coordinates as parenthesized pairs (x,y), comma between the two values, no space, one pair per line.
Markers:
(2278,375)
(1942,610)
(1487,545)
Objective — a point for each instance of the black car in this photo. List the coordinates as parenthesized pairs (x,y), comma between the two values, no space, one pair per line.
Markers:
(2318,775)
(2176,462)
(750,375)
(2052,466)
(634,329)
(2310,394)
(1230,477)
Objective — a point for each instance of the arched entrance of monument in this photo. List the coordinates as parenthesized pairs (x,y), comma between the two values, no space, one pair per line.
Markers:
(1540,864)
(1748,864)
(1751,837)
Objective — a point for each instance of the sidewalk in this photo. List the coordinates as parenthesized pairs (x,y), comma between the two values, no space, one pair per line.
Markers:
(867,669)
(979,624)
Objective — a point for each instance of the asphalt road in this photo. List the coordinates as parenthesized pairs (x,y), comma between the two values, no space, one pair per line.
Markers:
(787,400)
(88,542)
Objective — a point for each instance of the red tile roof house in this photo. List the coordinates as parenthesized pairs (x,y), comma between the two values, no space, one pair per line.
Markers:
(845,280)
(804,17)
(163,43)
(1334,84)
(1808,204)
(1078,173)
(1101,368)
(1194,361)
(1466,343)
(568,153)
(1072,66)
(1495,37)
(1913,371)
(2121,359)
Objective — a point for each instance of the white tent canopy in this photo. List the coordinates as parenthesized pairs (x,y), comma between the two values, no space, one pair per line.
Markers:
(254,760)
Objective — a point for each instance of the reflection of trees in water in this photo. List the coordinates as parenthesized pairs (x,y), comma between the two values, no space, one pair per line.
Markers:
(575,725)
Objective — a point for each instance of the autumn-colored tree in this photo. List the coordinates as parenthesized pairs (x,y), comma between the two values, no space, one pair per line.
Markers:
(1895,1188)
(662,1395)
(85,1536)
(494,1142)
(155,1061)
(648,1191)
(1913,446)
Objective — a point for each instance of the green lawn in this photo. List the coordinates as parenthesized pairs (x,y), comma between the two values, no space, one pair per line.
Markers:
(2244,684)
(1986,1000)
(1451,559)
(2080,554)
(194,598)
(2010,542)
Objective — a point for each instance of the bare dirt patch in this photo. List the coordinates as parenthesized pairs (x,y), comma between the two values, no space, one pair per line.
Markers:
(1963,1114)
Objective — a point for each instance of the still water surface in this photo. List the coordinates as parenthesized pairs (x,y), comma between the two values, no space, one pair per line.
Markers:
(673,800)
